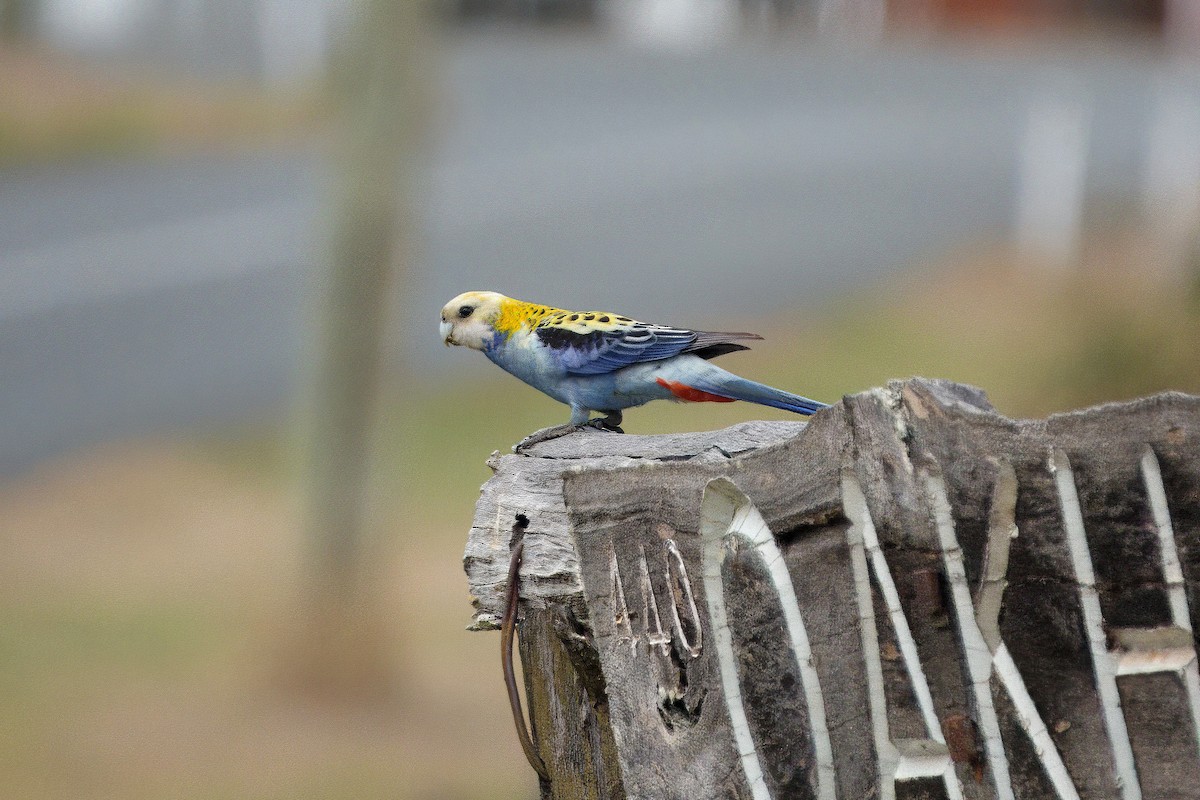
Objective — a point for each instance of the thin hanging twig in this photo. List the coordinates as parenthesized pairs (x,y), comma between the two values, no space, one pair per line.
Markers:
(507,629)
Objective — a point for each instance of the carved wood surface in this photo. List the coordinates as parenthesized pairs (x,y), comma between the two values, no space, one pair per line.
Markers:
(910,597)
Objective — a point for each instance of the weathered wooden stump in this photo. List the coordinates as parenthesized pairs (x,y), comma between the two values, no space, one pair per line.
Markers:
(909,597)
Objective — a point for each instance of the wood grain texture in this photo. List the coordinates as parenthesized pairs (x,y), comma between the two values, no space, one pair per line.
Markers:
(910,596)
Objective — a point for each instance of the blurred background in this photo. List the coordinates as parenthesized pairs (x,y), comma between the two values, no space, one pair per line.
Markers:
(237,467)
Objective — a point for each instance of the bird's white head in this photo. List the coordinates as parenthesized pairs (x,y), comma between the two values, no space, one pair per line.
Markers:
(470,319)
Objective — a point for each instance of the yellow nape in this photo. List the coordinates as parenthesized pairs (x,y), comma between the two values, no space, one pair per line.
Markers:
(515,314)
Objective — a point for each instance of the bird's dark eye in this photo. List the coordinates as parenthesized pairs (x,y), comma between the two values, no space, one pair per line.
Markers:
(465,311)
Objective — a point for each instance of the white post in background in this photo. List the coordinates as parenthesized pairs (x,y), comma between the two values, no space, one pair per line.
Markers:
(293,40)
(1052,170)
(673,24)
(197,32)
(1171,192)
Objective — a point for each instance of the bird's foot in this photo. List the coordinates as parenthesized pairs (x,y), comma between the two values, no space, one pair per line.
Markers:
(611,421)
(602,424)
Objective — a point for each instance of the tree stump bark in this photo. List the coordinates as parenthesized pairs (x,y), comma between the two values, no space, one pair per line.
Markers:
(909,597)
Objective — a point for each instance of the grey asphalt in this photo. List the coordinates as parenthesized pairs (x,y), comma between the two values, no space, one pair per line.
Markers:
(140,296)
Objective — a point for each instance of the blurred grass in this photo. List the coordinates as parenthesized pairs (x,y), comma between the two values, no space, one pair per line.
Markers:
(144,596)
(52,108)
(1126,323)
(144,586)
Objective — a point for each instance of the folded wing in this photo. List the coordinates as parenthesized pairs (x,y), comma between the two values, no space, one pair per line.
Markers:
(596,343)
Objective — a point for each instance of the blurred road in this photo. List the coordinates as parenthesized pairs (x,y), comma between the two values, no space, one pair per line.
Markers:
(677,187)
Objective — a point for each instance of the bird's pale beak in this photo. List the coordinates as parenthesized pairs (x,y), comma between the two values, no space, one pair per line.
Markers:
(446,330)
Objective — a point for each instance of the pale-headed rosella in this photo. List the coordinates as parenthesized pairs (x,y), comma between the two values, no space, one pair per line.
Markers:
(596,361)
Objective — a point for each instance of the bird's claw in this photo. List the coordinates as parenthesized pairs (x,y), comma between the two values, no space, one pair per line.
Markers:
(602,424)
(611,421)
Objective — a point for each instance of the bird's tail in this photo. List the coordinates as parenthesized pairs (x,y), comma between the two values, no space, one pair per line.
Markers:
(724,384)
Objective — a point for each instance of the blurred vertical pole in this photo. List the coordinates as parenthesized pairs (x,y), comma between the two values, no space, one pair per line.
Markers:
(1171,197)
(1050,182)
(378,102)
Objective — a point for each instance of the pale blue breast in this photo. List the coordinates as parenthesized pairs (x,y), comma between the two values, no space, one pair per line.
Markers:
(520,355)
(523,356)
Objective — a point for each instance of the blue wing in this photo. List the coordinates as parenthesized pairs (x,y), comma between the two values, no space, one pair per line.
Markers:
(596,343)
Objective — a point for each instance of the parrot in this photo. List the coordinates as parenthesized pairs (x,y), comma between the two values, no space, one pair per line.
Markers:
(603,362)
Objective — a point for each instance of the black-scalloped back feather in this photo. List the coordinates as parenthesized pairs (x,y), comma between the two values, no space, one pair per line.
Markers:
(591,350)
